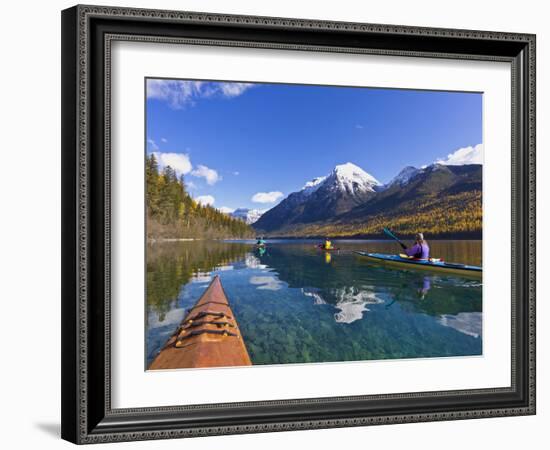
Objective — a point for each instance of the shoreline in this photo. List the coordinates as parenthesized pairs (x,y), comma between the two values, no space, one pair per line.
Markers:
(464,236)
(309,238)
(154,240)
(477,236)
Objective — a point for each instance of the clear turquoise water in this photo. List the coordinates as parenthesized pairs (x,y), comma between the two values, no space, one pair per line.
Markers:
(297,304)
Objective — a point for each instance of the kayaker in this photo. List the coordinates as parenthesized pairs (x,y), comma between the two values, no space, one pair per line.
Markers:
(420,249)
(328,244)
(260,242)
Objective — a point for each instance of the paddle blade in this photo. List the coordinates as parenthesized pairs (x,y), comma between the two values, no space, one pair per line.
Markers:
(390,234)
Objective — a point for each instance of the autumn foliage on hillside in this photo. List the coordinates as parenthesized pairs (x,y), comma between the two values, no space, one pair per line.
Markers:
(438,215)
(172,212)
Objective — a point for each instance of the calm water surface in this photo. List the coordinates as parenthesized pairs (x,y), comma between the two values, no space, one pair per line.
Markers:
(297,304)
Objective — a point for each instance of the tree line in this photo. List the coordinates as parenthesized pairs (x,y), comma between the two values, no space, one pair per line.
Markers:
(173,213)
(457,214)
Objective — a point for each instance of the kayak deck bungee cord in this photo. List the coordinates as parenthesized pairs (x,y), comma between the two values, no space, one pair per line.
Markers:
(208,336)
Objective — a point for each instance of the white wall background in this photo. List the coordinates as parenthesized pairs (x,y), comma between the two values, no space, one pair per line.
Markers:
(30,225)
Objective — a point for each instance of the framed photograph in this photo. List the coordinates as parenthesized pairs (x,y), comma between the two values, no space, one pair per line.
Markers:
(279,224)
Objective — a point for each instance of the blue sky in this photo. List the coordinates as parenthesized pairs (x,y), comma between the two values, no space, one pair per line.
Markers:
(232,141)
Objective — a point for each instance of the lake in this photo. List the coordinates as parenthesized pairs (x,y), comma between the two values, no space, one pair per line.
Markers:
(297,304)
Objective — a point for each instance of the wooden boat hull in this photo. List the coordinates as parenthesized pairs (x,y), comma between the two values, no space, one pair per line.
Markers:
(208,336)
(414,264)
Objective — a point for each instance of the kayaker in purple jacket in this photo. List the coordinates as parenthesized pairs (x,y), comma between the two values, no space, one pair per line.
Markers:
(420,249)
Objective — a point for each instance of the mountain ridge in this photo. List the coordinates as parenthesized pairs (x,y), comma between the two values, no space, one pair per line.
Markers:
(443,199)
(345,187)
(247,215)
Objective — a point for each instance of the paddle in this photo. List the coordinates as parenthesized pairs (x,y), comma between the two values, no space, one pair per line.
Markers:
(393,236)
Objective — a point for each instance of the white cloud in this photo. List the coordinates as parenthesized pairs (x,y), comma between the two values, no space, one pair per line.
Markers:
(190,185)
(359,127)
(181,93)
(226,210)
(164,140)
(180,162)
(210,175)
(465,155)
(152,144)
(267,197)
(205,200)
(236,173)
(233,89)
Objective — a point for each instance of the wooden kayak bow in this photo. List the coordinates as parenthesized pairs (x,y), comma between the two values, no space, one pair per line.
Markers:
(208,336)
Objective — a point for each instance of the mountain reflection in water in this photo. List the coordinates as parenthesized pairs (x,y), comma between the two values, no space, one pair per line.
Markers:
(293,307)
(350,302)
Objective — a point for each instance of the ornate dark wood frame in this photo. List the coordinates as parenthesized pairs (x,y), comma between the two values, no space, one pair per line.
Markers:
(87,33)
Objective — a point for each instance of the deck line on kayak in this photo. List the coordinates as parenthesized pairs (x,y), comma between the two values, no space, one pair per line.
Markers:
(208,336)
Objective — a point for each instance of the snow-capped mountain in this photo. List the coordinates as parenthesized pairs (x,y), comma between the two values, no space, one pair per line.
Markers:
(403,177)
(411,173)
(406,194)
(322,198)
(349,195)
(345,177)
(352,179)
(249,216)
(311,186)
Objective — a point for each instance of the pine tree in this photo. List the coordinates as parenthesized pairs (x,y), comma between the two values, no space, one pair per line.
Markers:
(172,212)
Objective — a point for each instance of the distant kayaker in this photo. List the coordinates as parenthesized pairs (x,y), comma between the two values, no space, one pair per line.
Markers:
(328,244)
(260,242)
(420,249)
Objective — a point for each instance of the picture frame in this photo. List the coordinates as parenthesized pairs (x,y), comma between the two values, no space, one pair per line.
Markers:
(87,35)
